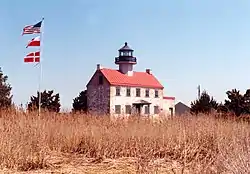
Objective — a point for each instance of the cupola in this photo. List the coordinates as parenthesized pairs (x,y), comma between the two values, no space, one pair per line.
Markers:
(125,55)
(126,60)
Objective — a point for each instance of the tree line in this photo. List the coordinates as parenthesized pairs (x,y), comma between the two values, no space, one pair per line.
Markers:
(50,101)
(237,103)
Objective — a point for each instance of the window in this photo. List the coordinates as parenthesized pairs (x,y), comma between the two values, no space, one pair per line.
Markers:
(171,111)
(118,91)
(147,93)
(156,94)
(128,92)
(126,53)
(100,80)
(147,110)
(138,92)
(128,109)
(156,109)
(118,109)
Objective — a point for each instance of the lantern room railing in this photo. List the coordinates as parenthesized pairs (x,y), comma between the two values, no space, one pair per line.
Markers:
(125,59)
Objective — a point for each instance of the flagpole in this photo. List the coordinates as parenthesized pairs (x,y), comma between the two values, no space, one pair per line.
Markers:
(40,75)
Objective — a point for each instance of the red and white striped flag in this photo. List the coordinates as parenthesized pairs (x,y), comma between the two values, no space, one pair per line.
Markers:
(35,42)
(31,29)
(32,57)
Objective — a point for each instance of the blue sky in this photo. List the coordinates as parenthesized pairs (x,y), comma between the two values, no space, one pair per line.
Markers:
(184,42)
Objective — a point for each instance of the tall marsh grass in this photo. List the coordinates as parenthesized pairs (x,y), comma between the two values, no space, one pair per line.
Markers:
(202,144)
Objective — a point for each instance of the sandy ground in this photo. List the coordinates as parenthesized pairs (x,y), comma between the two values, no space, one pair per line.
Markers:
(78,164)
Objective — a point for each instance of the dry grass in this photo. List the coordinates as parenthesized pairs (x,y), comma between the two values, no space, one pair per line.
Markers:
(66,143)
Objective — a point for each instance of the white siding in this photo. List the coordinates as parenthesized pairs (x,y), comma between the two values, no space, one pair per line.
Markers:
(123,100)
(167,104)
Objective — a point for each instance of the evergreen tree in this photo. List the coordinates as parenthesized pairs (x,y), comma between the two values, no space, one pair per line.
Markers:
(237,103)
(5,91)
(80,102)
(204,104)
(49,101)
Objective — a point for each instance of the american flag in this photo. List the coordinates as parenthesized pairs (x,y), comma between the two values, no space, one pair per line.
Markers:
(31,29)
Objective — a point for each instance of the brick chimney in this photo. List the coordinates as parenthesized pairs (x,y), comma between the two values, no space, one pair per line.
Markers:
(148,71)
(98,67)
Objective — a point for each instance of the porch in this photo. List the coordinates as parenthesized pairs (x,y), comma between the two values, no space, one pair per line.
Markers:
(138,105)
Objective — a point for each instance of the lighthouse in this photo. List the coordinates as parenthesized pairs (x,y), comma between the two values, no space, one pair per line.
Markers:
(126,60)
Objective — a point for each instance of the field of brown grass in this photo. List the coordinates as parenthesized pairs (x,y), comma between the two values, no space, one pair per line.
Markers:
(64,143)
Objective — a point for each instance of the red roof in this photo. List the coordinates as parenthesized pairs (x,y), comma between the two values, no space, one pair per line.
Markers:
(139,79)
(169,98)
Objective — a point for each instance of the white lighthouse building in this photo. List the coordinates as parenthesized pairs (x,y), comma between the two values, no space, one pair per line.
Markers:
(124,91)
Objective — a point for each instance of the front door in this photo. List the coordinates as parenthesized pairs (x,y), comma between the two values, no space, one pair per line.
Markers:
(138,109)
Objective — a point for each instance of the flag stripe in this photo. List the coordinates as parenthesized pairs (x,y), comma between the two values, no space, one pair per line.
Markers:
(31,31)
(33,54)
(34,44)
(28,59)
(31,59)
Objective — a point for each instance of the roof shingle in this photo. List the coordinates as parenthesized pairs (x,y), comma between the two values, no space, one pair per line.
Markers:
(139,79)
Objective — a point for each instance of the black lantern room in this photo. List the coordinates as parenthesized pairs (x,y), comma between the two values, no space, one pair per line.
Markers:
(125,55)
